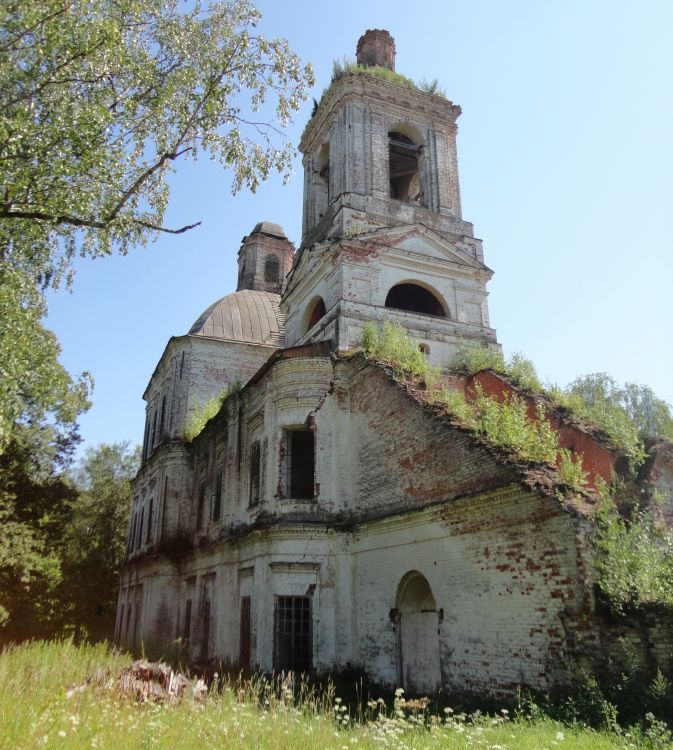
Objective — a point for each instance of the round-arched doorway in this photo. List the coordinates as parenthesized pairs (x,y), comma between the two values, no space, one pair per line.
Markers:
(418,637)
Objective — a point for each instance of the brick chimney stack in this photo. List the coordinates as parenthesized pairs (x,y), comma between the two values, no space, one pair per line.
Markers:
(376,48)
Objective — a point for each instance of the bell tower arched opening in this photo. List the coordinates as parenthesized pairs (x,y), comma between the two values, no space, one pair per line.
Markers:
(404,168)
(415,298)
(418,638)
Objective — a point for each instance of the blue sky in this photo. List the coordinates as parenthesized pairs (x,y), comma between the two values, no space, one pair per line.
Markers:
(565,151)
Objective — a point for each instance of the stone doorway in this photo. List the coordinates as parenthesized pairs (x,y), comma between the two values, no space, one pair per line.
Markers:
(418,639)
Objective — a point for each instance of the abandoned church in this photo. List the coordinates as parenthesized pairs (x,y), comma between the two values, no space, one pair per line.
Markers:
(327,516)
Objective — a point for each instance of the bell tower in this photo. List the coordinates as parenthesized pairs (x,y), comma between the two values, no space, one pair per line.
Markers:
(383,236)
(379,145)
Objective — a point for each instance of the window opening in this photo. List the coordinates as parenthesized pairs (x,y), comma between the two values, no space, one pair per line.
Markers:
(205,635)
(300,466)
(136,624)
(293,634)
(271,269)
(165,504)
(414,298)
(150,513)
(403,162)
(187,625)
(201,505)
(245,631)
(146,437)
(182,364)
(140,528)
(317,313)
(322,181)
(120,624)
(132,533)
(217,500)
(254,472)
(161,421)
(425,349)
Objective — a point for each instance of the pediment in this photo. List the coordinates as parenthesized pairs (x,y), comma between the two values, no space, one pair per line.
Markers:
(416,241)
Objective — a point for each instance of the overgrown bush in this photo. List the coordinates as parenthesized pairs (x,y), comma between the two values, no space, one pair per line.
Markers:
(634,556)
(570,468)
(506,424)
(471,358)
(390,343)
(623,414)
(201,415)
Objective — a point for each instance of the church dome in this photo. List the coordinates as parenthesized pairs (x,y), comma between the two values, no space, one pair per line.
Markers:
(268,227)
(248,316)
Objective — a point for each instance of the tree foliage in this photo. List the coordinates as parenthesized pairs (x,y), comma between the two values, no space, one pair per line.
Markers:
(96,538)
(62,540)
(35,510)
(99,100)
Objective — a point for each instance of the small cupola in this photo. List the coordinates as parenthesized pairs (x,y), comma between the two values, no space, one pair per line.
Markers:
(265,259)
(376,49)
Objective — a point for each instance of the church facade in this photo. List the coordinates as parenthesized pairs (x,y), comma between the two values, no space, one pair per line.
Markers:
(327,517)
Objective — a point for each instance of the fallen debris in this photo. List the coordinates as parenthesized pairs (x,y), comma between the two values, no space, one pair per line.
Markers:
(148,681)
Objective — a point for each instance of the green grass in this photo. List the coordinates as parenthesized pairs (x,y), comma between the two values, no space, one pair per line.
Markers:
(47,702)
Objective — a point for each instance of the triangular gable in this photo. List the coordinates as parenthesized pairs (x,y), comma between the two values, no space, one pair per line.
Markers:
(417,239)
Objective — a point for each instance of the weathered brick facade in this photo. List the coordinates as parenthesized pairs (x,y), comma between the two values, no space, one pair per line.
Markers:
(327,517)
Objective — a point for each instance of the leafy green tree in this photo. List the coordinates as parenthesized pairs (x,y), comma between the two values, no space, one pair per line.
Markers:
(627,414)
(96,539)
(35,511)
(98,103)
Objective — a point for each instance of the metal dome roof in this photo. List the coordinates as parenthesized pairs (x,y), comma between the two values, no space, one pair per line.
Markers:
(248,316)
(268,227)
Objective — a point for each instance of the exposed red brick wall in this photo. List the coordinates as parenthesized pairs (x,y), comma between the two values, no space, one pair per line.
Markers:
(597,459)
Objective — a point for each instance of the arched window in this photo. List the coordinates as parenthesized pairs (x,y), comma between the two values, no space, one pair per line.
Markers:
(403,163)
(415,298)
(271,269)
(317,312)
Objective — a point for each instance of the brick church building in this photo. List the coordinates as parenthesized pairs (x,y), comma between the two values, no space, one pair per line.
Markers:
(327,517)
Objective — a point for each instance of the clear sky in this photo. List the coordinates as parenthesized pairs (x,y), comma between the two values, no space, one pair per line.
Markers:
(565,149)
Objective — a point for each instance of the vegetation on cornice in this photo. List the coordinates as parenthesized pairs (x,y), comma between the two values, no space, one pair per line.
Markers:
(345,66)
(505,425)
(625,414)
(198,419)
(634,551)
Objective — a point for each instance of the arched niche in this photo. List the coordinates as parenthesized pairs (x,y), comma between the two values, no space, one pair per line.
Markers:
(415,297)
(314,312)
(418,636)
(404,164)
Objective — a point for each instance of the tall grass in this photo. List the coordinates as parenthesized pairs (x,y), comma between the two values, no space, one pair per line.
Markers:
(59,696)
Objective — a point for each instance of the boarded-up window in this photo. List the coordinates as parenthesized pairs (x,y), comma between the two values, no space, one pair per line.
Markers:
(293,634)
(254,472)
(245,633)
(300,463)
